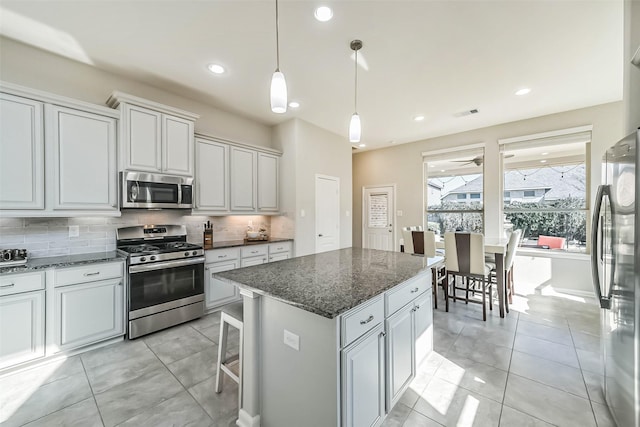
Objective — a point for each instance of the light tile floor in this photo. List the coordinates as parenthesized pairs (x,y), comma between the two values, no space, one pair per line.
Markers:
(539,366)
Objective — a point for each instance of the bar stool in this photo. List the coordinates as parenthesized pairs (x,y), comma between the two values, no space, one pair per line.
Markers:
(232,314)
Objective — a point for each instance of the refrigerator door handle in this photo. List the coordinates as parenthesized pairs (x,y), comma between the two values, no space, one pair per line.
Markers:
(605,302)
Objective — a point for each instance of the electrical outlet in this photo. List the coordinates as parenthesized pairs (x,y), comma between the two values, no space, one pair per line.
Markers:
(74,230)
(400,213)
(347,213)
(292,340)
(302,213)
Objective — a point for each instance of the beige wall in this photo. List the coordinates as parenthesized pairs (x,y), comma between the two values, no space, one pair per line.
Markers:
(27,66)
(309,150)
(402,165)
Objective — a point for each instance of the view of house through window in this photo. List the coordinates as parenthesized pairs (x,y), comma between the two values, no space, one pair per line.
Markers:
(454,190)
(545,195)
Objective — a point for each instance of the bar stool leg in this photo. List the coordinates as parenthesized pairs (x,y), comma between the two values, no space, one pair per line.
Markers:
(240,363)
(222,353)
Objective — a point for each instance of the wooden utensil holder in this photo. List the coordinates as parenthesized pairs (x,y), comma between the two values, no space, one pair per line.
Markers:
(208,239)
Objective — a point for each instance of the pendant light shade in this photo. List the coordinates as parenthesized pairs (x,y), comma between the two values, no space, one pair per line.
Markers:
(278,93)
(278,83)
(354,128)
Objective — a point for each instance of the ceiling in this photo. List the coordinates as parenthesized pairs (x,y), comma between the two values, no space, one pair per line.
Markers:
(431,58)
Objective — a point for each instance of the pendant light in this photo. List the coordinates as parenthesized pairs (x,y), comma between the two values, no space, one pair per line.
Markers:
(355,128)
(278,83)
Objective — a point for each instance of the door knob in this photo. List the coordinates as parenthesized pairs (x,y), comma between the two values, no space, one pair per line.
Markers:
(319,235)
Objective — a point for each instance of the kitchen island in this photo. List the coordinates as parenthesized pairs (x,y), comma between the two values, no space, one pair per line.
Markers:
(332,339)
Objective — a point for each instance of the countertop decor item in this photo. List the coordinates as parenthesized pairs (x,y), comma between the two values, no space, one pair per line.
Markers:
(12,257)
(207,240)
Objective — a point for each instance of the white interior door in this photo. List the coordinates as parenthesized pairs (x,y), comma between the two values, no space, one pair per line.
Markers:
(327,213)
(377,218)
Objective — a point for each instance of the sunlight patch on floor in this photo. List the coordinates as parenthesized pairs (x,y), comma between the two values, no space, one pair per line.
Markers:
(468,413)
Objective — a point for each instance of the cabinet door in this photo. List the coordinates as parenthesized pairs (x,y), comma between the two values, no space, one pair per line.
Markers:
(177,145)
(142,140)
(84,151)
(212,176)
(424,327)
(243,179)
(247,262)
(87,313)
(21,328)
(267,183)
(21,153)
(400,353)
(362,381)
(216,291)
(280,256)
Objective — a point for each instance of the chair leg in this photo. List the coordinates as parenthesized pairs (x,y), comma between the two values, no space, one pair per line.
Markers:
(434,283)
(453,288)
(484,305)
(446,292)
(222,352)
(466,298)
(490,295)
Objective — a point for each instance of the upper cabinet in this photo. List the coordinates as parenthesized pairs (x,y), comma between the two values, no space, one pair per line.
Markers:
(21,153)
(233,178)
(154,137)
(61,144)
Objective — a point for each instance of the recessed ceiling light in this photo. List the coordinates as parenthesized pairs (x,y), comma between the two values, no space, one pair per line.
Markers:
(441,170)
(323,13)
(418,118)
(216,68)
(523,91)
(294,104)
(392,141)
(545,153)
(362,145)
(543,161)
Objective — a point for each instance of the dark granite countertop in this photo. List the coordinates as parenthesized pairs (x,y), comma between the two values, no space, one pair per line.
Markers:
(63,261)
(235,243)
(330,283)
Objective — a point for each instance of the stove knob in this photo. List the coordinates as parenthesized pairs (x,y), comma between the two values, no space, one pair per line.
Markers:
(143,259)
(186,254)
(152,258)
(194,253)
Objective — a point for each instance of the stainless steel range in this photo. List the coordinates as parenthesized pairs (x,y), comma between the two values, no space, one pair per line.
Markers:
(165,277)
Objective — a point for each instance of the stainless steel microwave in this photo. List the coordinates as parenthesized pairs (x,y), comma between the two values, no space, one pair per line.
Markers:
(140,190)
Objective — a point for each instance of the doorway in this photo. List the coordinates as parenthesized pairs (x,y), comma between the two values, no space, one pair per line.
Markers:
(327,213)
(378,221)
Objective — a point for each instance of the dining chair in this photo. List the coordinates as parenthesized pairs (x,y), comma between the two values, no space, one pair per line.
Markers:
(512,246)
(465,258)
(408,237)
(439,270)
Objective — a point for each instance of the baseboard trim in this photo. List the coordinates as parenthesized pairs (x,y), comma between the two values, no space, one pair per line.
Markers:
(246,420)
(575,292)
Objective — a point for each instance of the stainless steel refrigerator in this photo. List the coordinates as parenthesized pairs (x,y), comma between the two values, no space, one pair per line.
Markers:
(615,259)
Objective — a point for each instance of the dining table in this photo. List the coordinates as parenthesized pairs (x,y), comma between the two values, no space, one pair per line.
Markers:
(496,246)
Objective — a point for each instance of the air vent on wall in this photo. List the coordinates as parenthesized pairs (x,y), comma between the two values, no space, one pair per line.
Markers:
(466,113)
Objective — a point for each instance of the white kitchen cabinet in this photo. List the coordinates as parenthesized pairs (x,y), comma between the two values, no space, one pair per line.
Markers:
(268,182)
(279,257)
(243,179)
(363,366)
(21,153)
(400,353)
(212,176)
(84,160)
(423,327)
(218,292)
(155,137)
(88,312)
(21,328)
(248,262)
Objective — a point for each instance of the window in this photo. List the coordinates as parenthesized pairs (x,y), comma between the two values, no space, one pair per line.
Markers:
(545,194)
(454,191)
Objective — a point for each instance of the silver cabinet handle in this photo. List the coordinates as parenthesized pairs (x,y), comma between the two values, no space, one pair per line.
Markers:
(417,307)
(382,334)
(92,274)
(369,319)
(8,286)
(414,290)
(254,252)
(222,256)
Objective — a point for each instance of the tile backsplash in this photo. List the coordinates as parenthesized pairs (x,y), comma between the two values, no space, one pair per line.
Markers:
(44,237)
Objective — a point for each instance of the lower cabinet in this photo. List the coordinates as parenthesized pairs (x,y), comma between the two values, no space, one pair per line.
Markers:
(400,353)
(423,327)
(363,386)
(21,328)
(218,292)
(88,312)
(248,262)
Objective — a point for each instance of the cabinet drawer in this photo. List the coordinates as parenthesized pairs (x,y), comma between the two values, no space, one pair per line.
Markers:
(257,250)
(399,296)
(361,319)
(276,248)
(88,273)
(218,255)
(17,283)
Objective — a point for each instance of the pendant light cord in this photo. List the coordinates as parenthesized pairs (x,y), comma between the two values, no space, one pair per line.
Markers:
(277,40)
(355,104)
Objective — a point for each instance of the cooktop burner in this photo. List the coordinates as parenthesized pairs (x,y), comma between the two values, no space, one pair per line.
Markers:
(159,248)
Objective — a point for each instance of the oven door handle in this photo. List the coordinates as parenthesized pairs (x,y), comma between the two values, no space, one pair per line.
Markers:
(167,264)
